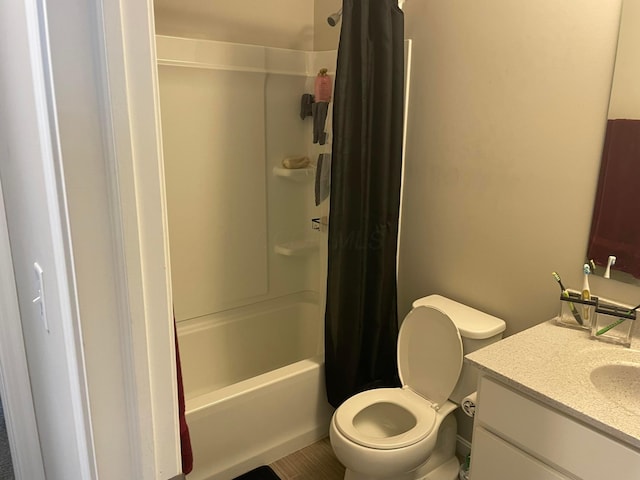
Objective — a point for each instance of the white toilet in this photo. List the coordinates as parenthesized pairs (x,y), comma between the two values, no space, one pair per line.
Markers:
(409,433)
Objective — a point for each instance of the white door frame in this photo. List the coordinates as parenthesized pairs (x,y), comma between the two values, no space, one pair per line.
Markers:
(129,109)
(138,180)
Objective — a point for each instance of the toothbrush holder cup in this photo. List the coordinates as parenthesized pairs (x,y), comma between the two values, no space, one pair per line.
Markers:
(614,324)
(576,312)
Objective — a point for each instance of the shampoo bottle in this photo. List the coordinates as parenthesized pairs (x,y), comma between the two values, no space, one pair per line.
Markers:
(323,86)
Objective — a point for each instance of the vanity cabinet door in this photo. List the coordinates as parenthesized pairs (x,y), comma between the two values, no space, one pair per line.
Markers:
(495,459)
(550,437)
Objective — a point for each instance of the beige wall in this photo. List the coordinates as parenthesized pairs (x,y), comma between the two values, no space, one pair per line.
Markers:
(276,23)
(294,24)
(325,36)
(505,129)
(625,94)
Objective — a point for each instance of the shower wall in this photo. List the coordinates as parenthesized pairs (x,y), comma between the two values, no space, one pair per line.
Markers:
(240,229)
(214,142)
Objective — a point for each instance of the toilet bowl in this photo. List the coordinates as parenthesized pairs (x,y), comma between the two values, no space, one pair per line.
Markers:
(390,437)
(408,433)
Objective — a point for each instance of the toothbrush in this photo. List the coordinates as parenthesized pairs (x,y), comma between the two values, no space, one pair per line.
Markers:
(610,326)
(634,309)
(610,263)
(586,291)
(565,294)
(616,323)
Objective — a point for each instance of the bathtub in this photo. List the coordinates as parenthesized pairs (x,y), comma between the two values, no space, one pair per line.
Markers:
(254,384)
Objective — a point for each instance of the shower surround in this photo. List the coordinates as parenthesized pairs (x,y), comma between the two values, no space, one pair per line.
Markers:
(246,265)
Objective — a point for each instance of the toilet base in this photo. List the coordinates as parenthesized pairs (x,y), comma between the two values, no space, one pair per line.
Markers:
(441,465)
(446,471)
(351,475)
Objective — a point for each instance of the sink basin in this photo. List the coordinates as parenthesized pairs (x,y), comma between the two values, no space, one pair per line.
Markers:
(619,383)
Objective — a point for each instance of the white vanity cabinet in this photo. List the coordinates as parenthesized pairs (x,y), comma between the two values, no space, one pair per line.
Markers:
(518,438)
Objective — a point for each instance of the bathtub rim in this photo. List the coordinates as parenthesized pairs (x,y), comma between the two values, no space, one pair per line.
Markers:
(194,324)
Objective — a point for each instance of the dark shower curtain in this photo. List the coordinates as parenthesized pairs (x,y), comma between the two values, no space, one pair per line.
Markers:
(361,324)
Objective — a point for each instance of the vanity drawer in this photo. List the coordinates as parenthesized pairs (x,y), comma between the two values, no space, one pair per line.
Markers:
(495,459)
(552,437)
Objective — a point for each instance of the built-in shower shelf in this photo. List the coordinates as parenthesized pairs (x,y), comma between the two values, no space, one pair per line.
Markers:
(295,174)
(297,248)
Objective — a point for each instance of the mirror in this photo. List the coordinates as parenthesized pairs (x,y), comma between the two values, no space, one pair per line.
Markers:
(615,230)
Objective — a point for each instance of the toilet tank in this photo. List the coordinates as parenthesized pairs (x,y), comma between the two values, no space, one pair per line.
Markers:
(477,329)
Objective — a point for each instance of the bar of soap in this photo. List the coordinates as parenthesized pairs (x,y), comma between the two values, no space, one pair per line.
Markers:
(296,162)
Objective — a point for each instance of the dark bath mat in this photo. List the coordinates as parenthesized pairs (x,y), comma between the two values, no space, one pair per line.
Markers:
(260,473)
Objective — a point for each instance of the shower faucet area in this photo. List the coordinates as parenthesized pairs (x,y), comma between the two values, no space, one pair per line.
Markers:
(334,18)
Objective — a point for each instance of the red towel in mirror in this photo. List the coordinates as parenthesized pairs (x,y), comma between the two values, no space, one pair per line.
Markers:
(615,228)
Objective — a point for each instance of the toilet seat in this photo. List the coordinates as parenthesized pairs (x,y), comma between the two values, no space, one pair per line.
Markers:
(429,354)
(429,363)
(385,418)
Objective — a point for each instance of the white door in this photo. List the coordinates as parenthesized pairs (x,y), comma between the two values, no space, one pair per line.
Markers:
(15,389)
(30,201)
(100,359)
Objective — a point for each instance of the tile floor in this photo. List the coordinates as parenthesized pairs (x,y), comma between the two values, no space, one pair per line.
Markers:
(315,462)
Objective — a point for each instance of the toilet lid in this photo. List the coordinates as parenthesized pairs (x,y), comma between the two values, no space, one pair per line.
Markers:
(429,353)
(385,418)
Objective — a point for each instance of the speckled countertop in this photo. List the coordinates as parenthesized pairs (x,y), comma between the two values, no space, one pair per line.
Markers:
(553,364)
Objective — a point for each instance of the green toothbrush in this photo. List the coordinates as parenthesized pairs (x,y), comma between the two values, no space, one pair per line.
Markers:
(614,324)
(610,326)
(565,294)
